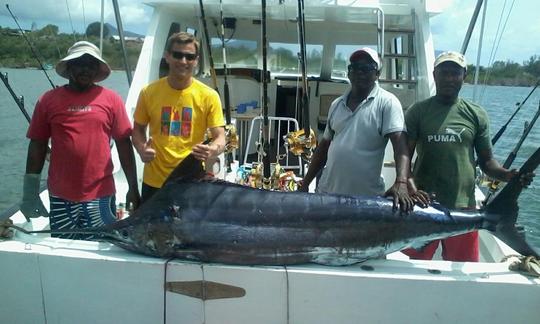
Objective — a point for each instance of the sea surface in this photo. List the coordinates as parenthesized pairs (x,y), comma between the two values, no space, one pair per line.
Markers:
(500,102)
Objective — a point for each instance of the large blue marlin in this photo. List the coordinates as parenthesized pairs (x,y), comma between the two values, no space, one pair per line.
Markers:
(216,221)
(205,220)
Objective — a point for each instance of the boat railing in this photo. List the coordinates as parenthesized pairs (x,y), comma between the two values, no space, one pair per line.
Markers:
(278,128)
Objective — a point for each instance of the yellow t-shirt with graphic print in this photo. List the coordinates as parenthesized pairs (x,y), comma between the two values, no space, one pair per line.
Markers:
(178,120)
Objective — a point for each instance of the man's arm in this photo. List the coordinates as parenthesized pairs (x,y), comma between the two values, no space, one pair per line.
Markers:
(420,197)
(37,150)
(399,189)
(142,144)
(210,151)
(494,170)
(127,160)
(318,161)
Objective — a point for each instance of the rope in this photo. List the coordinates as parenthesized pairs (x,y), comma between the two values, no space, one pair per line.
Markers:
(527,265)
(287,283)
(166,264)
(6,232)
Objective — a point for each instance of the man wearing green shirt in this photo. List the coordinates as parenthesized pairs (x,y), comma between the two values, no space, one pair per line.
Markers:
(446,131)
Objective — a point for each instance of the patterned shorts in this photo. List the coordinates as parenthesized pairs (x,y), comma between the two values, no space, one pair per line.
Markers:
(65,214)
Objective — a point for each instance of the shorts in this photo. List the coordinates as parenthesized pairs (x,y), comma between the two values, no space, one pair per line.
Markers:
(461,248)
(65,214)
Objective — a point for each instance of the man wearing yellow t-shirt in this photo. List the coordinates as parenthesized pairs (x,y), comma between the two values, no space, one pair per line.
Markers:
(178,110)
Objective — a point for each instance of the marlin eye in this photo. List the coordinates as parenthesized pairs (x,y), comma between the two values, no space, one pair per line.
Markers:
(125,233)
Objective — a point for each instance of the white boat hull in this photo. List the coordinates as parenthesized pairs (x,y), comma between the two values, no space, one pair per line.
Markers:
(49,280)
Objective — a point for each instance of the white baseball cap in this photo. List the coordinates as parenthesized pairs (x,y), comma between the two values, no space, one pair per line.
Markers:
(370,52)
(452,56)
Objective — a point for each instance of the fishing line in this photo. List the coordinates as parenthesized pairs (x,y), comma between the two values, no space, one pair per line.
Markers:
(71,21)
(165,290)
(288,295)
(30,45)
(203,292)
(503,128)
(495,46)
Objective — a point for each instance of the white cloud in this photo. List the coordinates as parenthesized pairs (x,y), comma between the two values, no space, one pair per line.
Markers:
(135,15)
(517,42)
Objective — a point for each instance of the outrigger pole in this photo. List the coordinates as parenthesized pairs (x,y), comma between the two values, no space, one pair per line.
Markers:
(227,99)
(503,128)
(31,48)
(121,36)
(208,47)
(265,133)
(512,156)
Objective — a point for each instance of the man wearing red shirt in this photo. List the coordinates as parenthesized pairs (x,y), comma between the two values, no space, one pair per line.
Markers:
(80,119)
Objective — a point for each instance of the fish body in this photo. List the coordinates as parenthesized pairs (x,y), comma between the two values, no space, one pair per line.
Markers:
(216,221)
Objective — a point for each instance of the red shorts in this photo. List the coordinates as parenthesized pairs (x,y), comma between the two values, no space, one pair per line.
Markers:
(457,248)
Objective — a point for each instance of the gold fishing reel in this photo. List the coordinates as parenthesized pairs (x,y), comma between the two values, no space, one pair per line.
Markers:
(299,144)
(279,180)
(231,138)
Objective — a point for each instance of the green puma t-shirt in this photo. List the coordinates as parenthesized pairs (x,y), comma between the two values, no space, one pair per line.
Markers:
(446,137)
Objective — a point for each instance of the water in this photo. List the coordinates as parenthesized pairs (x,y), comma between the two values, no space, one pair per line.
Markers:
(500,102)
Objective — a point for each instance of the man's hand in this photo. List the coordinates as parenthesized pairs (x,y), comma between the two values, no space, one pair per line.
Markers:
(303,186)
(203,152)
(146,151)
(31,205)
(525,179)
(401,196)
(133,200)
(420,197)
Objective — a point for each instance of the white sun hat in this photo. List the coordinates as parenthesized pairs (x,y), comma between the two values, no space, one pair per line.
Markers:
(79,49)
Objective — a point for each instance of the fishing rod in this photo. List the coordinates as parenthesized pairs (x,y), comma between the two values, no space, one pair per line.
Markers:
(19,100)
(302,142)
(304,105)
(208,47)
(512,156)
(503,128)
(265,139)
(31,47)
(227,99)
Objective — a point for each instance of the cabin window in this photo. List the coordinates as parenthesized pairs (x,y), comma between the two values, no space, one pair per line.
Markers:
(283,58)
(240,53)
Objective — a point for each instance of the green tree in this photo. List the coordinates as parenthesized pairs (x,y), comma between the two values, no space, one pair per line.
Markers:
(532,66)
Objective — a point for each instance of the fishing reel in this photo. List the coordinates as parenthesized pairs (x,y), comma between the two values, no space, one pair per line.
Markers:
(299,144)
(231,138)
(279,180)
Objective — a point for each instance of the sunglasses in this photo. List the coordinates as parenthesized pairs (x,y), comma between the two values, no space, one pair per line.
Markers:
(180,55)
(362,67)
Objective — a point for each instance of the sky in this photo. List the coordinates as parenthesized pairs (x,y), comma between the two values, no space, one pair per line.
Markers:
(518,43)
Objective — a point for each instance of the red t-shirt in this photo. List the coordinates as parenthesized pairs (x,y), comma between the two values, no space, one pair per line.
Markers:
(80,126)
